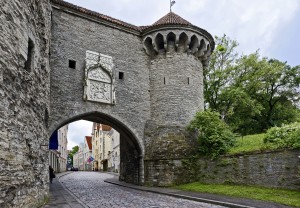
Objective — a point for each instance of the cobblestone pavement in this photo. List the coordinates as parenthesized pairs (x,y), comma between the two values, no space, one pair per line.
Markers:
(90,188)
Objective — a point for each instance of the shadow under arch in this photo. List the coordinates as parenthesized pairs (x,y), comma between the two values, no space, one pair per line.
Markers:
(131,150)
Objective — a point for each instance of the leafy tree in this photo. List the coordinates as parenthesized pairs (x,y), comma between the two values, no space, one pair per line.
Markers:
(74,149)
(214,136)
(273,84)
(251,93)
(73,152)
(218,75)
(222,93)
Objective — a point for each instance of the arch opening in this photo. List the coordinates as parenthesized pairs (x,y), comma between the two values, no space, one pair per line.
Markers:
(159,42)
(201,48)
(130,167)
(171,40)
(194,44)
(183,42)
(148,45)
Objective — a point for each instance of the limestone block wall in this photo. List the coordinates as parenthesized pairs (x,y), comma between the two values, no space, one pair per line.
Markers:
(129,162)
(273,169)
(24,102)
(176,94)
(176,88)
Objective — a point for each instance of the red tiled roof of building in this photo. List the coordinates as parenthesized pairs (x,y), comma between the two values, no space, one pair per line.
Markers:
(89,141)
(171,19)
(106,127)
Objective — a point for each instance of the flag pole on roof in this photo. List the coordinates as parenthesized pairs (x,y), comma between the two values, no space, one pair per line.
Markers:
(172,2)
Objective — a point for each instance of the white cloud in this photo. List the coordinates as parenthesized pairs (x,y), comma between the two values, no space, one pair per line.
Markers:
(77,131)
(254,24)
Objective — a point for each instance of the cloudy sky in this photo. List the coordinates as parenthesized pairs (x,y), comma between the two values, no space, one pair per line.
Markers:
(272,26)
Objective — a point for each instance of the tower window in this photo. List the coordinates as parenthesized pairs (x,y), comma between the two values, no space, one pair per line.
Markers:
(121,75)
(164,80)
(29,61)
(72,64)
(188,80)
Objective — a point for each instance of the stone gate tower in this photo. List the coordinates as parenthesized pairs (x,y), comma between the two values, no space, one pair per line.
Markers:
(178,52)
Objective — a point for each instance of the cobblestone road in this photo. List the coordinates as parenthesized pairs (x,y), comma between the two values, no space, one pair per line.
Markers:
(90,188)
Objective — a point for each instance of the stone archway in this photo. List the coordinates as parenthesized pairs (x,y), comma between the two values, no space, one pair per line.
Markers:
(131,151)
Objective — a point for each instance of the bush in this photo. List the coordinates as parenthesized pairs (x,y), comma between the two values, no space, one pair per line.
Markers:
(286,136)
(214,136)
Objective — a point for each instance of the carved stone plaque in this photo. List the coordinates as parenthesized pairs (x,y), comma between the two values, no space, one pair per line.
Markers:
(99,81)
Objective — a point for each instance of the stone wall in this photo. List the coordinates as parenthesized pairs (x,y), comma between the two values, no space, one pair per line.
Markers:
(273,169)
(72,35)
(129,161)
(24,106)
(176,94)
(176,86)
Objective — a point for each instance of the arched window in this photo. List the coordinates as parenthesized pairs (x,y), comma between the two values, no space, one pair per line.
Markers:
(183,42)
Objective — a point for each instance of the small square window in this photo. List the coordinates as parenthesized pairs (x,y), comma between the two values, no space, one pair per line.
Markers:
(72,64)
(121,75)
(30,56)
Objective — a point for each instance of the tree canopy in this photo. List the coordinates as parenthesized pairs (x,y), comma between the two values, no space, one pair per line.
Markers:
(251,93)
(73,152)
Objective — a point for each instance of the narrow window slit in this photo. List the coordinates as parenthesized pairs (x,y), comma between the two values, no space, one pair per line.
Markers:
(29,61)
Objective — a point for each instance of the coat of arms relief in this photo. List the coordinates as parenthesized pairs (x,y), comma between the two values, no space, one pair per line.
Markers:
(99,79)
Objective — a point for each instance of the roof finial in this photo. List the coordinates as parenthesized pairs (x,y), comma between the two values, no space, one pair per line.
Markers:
(172,2)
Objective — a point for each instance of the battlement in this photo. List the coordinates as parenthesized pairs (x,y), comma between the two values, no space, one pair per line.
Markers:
(172,34)
(181,41)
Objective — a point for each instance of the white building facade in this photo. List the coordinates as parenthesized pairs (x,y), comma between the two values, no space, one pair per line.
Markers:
(62,148)
(78,158)
(115,154)
(58,157)
(106,148)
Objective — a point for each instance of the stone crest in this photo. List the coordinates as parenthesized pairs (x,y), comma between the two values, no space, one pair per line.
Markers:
(99,80)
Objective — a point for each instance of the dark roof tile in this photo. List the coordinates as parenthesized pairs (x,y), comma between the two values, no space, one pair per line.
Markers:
(171,18)
(95,14)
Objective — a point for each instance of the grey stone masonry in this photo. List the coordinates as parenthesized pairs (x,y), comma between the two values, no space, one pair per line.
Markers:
(24,102)
(277,169)
(61,63)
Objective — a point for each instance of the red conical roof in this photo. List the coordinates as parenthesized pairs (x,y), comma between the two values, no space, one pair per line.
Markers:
(171,18)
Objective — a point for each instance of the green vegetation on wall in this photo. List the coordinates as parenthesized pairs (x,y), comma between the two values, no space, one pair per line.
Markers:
(286,136)
(214,136)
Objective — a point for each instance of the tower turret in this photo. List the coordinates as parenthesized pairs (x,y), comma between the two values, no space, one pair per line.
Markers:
(178,51)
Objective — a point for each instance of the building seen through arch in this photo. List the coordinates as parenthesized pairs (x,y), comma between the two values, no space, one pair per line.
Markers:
(58,152)
(100,151)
